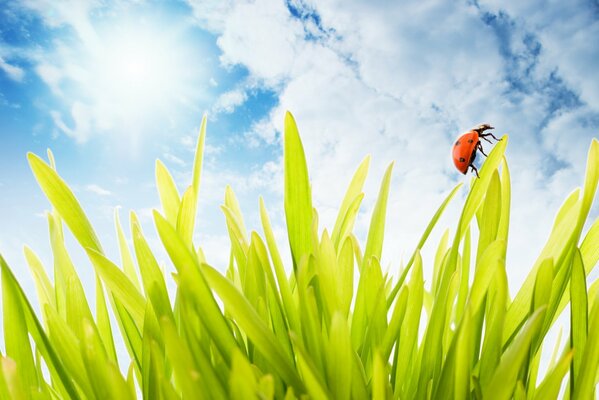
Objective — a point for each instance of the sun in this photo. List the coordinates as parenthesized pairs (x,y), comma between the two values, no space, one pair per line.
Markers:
(139,66)
(138,72)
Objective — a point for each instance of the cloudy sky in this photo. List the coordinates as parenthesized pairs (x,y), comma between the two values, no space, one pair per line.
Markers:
(110,86)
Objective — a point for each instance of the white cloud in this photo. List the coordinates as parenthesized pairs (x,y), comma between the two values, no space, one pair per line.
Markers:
(228,101)
(173,159)
(14,72)
(98,190)
(263,37)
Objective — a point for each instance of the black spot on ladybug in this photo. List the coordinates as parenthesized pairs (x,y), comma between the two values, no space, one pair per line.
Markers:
(462,159)
(457,143)
(470,140)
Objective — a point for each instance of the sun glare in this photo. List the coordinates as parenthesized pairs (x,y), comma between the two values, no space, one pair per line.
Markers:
(139,67)
(139,73)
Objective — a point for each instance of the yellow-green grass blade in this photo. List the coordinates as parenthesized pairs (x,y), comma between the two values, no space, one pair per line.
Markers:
(120,287)
(562,230)
(464,276)
(242,381)
(186,217)
(542,289)
(506,194)
(188,378)
(45,290)
(392,333)
(590,247)
(326,269)
(376,232)
(250,322)
(198,343)
(313,381)
(578,316)
(370,292)
(126,258)
(275,303)
(232,204)
(64,201)
(339,358)
(282,280)
(193,285)
(379,378)
(16,338)
(590,185)
(440,256)
(12,386)
(151,274)
(421,243)
(77,310)
(502,384)
(495,318)
(153,355)
(550,387)
(130,332)
(490,261)
(64,271)
(350,204)
(298,197)
(589,250)
(239,244)
(168,193)
(491,214)
(199,158)
(409,330)
(103,319)
(68,347)
(131,380)
(311,319)
(585,387)
(105,377)
(345,276)
(43,344)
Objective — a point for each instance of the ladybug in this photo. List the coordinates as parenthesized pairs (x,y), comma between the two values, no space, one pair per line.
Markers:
(464,149)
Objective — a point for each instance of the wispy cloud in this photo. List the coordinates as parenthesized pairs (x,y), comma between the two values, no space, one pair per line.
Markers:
(96,189)
(14,72)
(228,101)
(173,159)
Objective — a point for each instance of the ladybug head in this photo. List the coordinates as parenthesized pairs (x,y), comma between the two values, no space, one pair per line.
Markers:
(482,127)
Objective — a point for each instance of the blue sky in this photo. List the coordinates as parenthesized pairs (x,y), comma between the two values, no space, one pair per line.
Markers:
(110,86)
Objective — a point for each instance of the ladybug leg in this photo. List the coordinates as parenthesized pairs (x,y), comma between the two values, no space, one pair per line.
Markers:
(480,147)
(484,137)
(489,134)
(475,170)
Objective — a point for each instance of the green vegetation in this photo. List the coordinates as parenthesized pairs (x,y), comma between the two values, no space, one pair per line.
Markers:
(331,325)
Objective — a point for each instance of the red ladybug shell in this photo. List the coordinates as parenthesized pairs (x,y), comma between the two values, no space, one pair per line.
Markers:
(464,149)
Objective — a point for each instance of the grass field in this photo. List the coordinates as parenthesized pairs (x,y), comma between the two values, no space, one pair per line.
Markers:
(328,325)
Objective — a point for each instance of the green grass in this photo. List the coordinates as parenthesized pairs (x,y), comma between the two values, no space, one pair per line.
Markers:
(330,324)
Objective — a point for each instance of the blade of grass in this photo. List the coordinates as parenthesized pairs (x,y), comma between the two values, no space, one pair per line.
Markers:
(376,231)
(43,344)
(64,201)
(250,322)
(501,385)
(168,193)
(350,204)
(298,197)
(578,317)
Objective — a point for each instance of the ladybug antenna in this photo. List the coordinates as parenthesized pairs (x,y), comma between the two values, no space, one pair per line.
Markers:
(482,127)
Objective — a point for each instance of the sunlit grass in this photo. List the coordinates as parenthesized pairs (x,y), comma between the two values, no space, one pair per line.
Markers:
(269,330)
